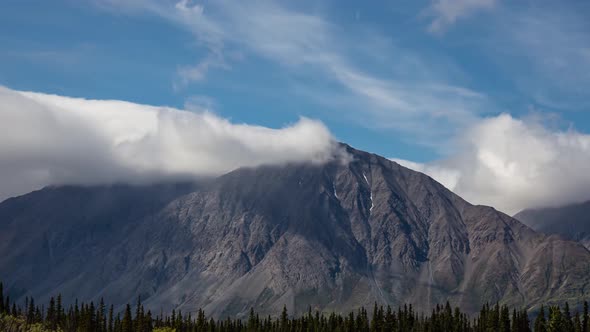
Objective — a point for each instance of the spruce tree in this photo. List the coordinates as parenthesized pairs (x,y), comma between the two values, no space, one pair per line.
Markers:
(252,324)
(149,326)
(110,323)
(51,322)
(38,315)
(31,312)
(138,316)
(100,316)
(494,318)
(555,323)
(60,312)
(515,321)
(577,323)
(284,324)
(117,327)
(91,317)
(540,322)
(7,305)
(127,324)
(504,324)
(389,319)
(141,321)
(568,324)
(201,320)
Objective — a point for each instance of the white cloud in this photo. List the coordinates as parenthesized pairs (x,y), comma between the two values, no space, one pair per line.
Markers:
(49,139)
(513,164)
(199,71)
(446,12)
(448,177)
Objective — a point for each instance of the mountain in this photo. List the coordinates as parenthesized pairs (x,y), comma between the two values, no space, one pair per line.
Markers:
(334,236)
(570,221)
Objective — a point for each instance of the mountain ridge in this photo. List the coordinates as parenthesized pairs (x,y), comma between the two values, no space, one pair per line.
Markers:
(571,221)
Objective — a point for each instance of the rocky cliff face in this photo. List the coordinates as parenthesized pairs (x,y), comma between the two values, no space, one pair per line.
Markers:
(334,237)
(570,221)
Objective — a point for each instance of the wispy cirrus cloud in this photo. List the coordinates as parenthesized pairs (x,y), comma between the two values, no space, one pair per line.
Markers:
(309,45)
(547,51)
(445,13)
(68,57)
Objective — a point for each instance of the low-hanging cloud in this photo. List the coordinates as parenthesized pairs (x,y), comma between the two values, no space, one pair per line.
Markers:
(48,139)
(513,164)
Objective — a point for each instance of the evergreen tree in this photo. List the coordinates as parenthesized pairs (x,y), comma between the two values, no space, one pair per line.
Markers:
(117,326)
(540,322)
(252,322)
(7,304)
(515,322)
(378,320)
(504,323)
(91,317)
(389,319)
(31,312)
(138,316)
(555,323)
(110,323)
(568,324)
(38,315)
(127,324)
(577,323)
(201,320)
(51,322)
(58,311)
(284,324)
(100,316)
(141,323)
(149,326)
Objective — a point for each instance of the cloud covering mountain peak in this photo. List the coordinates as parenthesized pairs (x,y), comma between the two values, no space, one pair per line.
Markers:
(50,139)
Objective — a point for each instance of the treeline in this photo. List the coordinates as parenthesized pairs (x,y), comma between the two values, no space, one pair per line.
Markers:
(90,317)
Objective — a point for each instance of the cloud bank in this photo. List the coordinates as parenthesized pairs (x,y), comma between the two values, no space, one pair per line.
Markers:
(501,161)
(513,164)
(49,139)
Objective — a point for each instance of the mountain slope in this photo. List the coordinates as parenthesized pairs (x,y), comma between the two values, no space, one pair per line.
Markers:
(334,236)
(57,238)
(570,221)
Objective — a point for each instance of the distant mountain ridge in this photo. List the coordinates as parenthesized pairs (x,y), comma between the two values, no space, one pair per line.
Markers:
(335,237)
(570,221)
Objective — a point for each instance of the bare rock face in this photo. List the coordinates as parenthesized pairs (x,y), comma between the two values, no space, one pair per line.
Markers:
(570,221)
(334,237)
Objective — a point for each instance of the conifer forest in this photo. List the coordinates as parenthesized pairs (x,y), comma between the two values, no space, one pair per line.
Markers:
(101,317)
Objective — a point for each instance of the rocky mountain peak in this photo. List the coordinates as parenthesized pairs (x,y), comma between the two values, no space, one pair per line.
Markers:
(333,236)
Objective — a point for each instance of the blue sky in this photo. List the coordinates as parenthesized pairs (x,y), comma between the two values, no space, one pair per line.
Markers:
(404,79)
(130,52)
